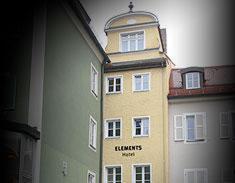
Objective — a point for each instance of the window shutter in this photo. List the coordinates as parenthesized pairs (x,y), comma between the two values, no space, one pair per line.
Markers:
(178,128)
(224,125)
(200,126)
(189,176)
(201,175)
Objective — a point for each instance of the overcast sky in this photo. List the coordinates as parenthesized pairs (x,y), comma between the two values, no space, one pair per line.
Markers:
(197,30)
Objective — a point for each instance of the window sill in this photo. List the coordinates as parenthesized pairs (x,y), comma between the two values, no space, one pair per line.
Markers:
(113,93)
(139,136)
(92,147)
(193,88)
(111,138)
(141,90)
(94,94)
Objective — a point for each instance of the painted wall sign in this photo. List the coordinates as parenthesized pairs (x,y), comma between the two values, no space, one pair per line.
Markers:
(128,148)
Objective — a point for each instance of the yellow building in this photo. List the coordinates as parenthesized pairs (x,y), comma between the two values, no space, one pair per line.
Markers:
(135,142)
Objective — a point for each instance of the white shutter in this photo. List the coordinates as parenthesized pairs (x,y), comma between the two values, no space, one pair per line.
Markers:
(201,176)
(178,128)
(200,126)
(224,125)
(189,176)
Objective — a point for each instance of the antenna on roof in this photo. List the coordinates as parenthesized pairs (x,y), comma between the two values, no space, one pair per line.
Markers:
(131,6)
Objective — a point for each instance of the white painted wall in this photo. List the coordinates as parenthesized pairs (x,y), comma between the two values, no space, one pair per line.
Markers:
(215,153)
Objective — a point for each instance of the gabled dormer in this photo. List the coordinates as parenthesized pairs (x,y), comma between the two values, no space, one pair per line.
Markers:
(134,35)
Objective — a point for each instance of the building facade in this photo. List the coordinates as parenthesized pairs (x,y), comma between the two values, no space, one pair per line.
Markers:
(52,109)
(201,125)
(135,135)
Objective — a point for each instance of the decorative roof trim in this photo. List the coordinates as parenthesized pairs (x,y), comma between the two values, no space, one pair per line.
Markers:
(109,22)
(133,65)
(131,26)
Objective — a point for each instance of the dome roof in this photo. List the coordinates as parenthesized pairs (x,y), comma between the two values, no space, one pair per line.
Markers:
(130,13)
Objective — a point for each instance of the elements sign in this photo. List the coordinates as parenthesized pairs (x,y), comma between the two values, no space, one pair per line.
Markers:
(128,148)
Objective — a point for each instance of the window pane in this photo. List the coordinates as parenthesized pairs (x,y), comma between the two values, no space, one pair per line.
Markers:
(110,133)
(138,82)
(137,123)
(117,124)
(147,176)
(117,132)
(118,81)
(110,177)
(118,88)
(190,127)
(195,80)
(189,80)
(140,44)
(110,88)
(132,45)
(111,81)
(124,46)
(138,169)
(110,125)
(138,131)
(118,170)
(138,177)
(147,169)
(146,82)
(118,177)
(110,170)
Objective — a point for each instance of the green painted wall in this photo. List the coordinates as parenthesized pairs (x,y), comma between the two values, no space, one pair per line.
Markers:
(68,102)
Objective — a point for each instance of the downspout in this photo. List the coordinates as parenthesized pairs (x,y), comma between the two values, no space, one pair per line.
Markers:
(101,120)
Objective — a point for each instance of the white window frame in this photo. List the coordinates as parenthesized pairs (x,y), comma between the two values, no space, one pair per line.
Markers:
(91,145)
(94,91)
(106,128)
(133,126)
(114,84)
(195,170)
(91,173)
(141,164)
(186,80)
(131,32)
(106,173)
(185,133)
(141,74)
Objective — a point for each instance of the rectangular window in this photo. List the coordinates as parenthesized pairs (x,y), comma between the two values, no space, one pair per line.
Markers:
(94,81)
(141,82)
(142,174)
(190,127)
(113,175)
(192,80)
(132,41)
(92,133)
(198,175)
(228,175)
(227,125)
(141,126)
(113,128)
(114,84)
(90,177)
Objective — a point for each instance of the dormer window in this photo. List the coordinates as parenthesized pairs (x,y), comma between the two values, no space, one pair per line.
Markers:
(192,80)
(133,41)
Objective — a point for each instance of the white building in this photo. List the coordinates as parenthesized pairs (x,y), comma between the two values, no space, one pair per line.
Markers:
(202,125)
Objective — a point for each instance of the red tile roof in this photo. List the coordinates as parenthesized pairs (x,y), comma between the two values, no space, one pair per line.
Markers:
(216,80)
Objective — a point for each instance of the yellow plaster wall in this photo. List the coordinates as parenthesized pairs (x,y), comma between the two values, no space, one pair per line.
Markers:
(138,18)
(131,104)
(151,39)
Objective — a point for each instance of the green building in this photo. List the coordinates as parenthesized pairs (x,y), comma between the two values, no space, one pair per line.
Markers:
(52,101)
